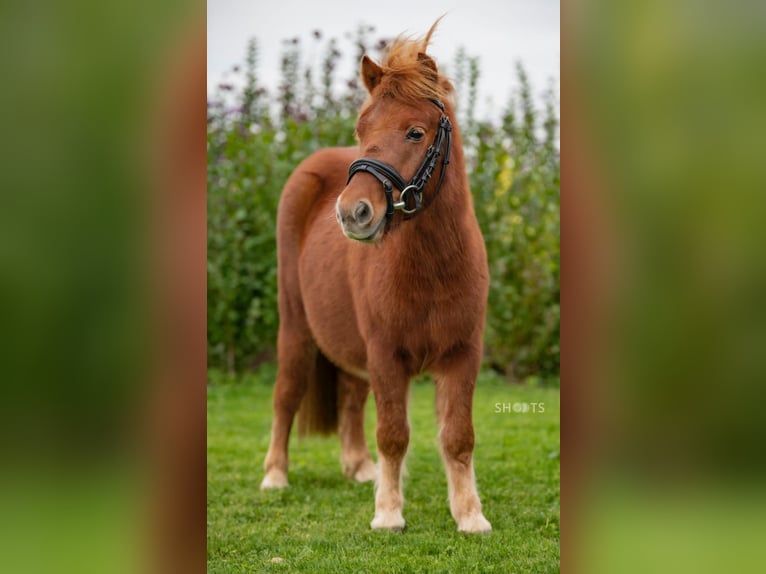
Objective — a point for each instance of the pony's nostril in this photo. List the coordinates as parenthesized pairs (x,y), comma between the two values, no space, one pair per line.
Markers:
(363,212)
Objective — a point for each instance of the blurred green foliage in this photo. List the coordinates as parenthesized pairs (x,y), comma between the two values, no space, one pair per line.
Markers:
(256,137)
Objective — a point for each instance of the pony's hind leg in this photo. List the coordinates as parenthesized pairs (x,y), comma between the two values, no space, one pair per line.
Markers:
(454,400)
(297,357)
(355,456)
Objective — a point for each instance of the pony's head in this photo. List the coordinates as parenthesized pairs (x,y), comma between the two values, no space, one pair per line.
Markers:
(402,117)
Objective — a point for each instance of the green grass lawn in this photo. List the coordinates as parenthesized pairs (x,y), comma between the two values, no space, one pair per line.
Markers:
(321,522)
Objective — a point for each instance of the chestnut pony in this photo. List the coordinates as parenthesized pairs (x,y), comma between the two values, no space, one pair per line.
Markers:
(383,275)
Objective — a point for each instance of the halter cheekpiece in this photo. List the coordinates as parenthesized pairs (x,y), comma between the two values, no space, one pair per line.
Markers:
(411,194)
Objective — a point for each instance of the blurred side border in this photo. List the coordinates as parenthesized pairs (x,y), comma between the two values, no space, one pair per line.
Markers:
(663,274)
(102,287)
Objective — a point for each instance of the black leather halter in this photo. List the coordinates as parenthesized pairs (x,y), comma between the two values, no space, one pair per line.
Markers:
(411,194)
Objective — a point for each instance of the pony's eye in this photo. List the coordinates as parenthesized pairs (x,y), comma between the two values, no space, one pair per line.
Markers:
(415,134)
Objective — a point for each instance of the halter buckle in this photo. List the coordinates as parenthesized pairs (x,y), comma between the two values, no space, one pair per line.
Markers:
(417,195)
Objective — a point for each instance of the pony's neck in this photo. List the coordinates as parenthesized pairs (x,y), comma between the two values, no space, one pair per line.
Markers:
(434,240)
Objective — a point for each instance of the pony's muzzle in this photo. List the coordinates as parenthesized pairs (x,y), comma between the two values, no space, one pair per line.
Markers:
(357,222)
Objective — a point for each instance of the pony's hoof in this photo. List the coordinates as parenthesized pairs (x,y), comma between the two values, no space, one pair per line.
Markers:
(388,520)
(474,523)
(274,479)
(367,471)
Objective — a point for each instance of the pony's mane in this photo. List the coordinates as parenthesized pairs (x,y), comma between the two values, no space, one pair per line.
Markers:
(408,75)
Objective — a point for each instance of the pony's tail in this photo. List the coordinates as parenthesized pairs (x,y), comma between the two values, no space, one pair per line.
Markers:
(318,412)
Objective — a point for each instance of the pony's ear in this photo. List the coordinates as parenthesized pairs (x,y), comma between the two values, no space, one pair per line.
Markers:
(424,58)
(371,73)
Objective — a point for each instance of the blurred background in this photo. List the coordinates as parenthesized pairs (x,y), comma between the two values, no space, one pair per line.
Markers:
(664,246)
(102,241)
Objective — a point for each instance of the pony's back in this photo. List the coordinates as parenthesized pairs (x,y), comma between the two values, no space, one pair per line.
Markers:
(318,180)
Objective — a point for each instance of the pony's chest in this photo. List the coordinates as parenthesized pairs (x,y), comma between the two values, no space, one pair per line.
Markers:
(429,329)
(424,307)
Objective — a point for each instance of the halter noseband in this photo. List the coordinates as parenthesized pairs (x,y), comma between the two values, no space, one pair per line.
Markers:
(411,194)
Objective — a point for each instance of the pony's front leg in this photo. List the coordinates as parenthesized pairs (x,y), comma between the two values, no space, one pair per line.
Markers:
(456,379)
(389,385)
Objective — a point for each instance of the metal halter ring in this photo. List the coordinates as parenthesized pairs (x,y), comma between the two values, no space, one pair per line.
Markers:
(401,205)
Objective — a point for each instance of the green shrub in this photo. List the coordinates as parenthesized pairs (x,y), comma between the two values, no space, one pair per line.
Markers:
(257,137)
(515,180)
